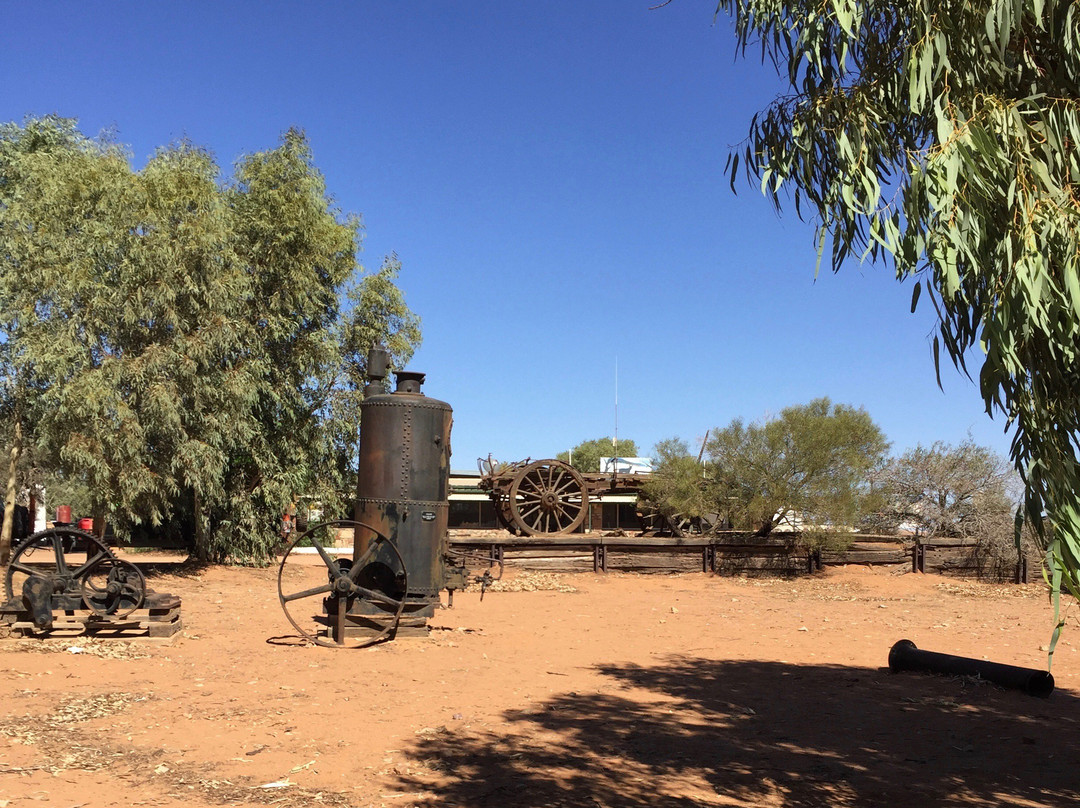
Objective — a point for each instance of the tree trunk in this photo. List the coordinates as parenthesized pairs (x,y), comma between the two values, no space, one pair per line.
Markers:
(31,510)
(202,549)
(100,521)
(9,499)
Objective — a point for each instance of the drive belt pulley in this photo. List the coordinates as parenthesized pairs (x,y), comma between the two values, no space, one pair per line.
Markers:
(362,599)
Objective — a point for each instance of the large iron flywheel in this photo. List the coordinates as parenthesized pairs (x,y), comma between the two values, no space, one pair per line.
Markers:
(371,589)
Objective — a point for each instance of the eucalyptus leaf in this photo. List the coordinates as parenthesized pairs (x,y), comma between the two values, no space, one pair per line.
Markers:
(963,112)
(179,337)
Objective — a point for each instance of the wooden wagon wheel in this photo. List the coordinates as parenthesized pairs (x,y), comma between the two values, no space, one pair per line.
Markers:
(504,514)
(548,498)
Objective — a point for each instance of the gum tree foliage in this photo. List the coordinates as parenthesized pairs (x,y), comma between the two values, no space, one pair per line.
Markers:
(812,462)
(299,257)
(376,313)
(586,455)
(16,385)
(941,138)
(176,338)
(11,428)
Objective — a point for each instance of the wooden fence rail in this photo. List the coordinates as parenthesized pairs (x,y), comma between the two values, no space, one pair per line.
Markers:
(741,552)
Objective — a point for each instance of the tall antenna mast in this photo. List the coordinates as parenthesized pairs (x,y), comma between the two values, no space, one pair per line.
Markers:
(615,440)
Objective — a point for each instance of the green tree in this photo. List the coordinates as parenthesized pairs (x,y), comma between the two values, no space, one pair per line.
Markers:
(586,455)
(121,292)
(941,138)
(179,338)
(811,463)
(296,255)
(677,486)
(11,420)
(17,388)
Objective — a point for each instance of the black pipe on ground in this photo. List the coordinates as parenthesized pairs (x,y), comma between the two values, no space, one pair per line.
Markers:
(905,656)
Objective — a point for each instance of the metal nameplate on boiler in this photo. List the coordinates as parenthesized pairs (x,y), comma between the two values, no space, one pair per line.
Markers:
(427,516)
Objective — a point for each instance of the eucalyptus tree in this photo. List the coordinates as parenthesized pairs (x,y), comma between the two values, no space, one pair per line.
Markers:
(47,135)
(11,468)
(375,313)
(120,293)
(941,138)
(178,335)
(677,486)
(307,357)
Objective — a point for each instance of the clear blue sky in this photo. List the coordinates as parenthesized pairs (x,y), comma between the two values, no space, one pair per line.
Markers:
(551,176)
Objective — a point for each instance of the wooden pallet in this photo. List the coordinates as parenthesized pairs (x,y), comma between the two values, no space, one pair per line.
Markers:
(161,621)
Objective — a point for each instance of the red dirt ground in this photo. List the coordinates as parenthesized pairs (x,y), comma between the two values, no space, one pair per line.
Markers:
(631,690)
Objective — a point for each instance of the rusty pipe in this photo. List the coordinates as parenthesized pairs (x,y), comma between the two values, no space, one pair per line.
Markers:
(378,365)
(905,656)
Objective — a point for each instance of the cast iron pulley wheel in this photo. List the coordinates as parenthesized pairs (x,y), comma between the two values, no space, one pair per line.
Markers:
(113,587)
(308,580)
(548,498)
(61,555)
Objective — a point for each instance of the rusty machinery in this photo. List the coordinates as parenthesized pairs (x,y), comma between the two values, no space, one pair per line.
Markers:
(391,584)
(68,578)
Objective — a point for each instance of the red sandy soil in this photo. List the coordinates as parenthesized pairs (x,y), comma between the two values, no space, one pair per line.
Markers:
(631,690)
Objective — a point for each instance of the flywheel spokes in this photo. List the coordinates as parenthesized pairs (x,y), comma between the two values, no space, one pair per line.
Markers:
(336,601)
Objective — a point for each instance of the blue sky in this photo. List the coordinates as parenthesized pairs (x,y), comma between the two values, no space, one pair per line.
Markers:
(551,176)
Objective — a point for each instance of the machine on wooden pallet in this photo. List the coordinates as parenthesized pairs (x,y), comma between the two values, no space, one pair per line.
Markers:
(390,586)
(66,580)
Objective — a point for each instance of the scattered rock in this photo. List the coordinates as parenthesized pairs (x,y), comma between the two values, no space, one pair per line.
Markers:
(530,581)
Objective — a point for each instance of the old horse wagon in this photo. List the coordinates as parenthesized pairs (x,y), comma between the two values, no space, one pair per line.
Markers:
(548,497)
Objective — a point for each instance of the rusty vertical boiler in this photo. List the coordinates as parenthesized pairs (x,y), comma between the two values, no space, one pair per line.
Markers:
(403,486)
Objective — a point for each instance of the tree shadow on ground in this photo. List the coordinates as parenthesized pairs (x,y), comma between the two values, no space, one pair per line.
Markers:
(694,732)
(188,568)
